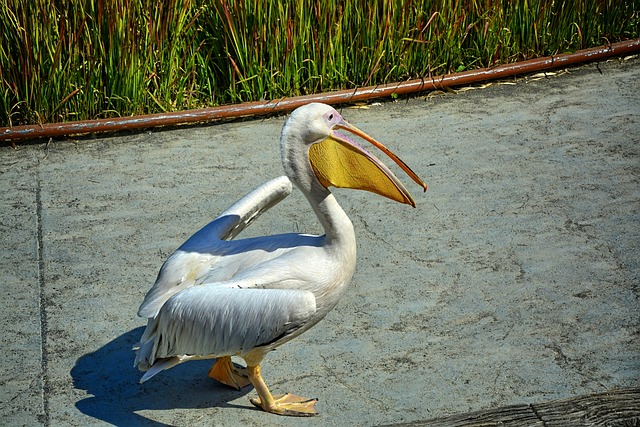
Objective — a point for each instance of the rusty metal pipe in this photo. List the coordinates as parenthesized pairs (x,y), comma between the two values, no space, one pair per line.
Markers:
(49,130)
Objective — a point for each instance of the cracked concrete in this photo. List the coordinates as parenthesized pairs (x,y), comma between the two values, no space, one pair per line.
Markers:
(515,281)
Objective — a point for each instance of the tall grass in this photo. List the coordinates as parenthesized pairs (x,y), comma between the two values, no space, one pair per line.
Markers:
(82,59)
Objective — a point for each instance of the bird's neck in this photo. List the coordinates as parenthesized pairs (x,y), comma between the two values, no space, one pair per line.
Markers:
(295,159)
(337,225)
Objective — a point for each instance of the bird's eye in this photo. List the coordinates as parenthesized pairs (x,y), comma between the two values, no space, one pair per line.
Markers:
(331,117)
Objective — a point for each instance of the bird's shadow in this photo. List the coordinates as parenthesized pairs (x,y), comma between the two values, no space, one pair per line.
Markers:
(109,377)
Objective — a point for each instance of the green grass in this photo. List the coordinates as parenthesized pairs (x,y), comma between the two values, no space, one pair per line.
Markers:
(66,60)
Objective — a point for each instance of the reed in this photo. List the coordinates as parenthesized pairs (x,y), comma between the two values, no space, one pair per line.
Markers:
(66,60)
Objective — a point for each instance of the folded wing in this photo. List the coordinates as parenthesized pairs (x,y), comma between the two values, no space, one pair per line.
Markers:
(212,321)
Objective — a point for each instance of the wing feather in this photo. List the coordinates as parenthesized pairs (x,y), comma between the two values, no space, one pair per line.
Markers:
(211,320)
(195,258)
(242,213)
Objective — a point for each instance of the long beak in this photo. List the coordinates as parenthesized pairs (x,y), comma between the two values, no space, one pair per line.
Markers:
(340,162)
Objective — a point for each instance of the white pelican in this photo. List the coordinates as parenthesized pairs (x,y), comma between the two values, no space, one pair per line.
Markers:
(216,298)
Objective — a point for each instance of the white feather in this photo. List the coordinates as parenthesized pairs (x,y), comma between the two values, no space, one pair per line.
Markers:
(197,257)
(214,321)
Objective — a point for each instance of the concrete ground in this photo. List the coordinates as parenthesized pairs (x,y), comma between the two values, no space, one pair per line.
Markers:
(515,280)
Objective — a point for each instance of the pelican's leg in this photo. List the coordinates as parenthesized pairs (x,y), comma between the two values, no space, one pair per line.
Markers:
(229,373)
(283,404)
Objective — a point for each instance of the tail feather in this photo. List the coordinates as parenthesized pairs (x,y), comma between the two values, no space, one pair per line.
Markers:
(159,366)
(167,363)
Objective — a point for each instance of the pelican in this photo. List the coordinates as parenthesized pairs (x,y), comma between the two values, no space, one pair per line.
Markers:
(215,297)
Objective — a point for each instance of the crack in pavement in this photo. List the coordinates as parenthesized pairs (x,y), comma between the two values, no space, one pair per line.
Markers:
(44,417)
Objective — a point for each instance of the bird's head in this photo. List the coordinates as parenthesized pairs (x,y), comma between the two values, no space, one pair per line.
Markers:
(313,147)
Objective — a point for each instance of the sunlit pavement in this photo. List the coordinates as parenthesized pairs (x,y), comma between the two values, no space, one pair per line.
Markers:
(515,280)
